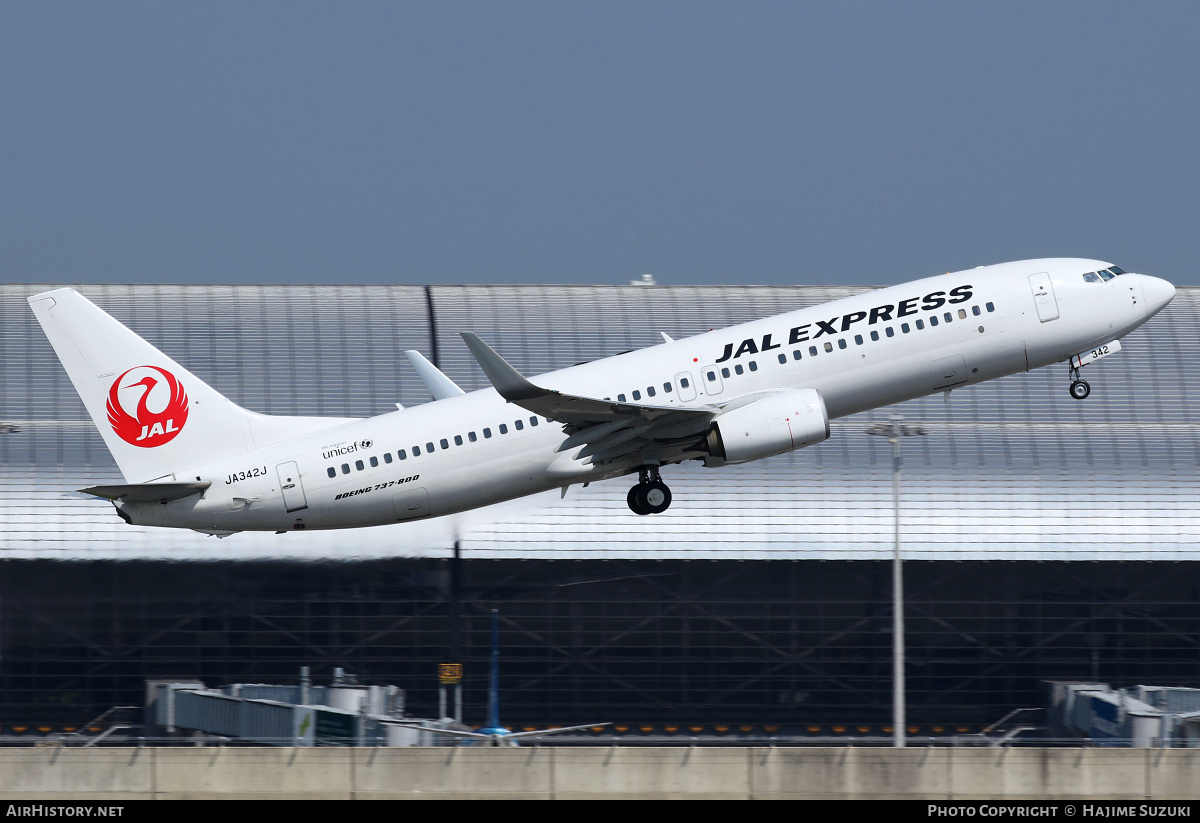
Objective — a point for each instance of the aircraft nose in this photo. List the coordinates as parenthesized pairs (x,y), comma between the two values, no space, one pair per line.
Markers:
(1157,292)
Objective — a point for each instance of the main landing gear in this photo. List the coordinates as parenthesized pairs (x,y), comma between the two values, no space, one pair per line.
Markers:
(1079,388)
(650,495)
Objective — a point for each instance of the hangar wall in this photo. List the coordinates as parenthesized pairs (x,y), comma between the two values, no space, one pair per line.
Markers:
(608,615)
(1011,469)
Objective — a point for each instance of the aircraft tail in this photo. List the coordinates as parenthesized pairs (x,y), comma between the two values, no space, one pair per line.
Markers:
(155,416)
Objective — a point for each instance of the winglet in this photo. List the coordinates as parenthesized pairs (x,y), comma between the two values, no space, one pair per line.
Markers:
(439,385)
(507,380)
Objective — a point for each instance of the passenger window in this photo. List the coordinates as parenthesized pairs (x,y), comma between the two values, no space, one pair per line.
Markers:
(991,307)
(332,471)
(975,311)
(637,395)
(668,388)
(782,359)
(429,447)
(683,382)
(711,375)
(387,457)
(738,368)
(874,335)
(858,339)
(402,454)
(503,428)
(533,421)
(841,342)
(889,331)
(920,324)
(828,346)
(753,365)
(812,351)
(458,441)
(519,425)
(358,464)
(374,462)
(725,373)
(472,436)
(796,354)
(345,468)
(650,391)
(933,321)
(948,317)
(620,398)
(487,433)
(905,328)
(962,314)
(416,451)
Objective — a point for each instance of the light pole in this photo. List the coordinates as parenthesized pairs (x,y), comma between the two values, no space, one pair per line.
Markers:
(894,431)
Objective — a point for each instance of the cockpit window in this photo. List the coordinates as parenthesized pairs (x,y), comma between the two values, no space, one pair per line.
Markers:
(1117,270)
(1102,276)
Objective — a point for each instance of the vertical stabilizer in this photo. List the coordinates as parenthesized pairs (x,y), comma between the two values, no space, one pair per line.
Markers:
(155,416)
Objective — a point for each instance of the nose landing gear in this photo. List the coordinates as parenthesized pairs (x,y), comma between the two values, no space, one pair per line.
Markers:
(1079,388)
(651,495)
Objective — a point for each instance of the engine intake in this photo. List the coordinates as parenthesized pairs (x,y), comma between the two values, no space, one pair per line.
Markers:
(771,424)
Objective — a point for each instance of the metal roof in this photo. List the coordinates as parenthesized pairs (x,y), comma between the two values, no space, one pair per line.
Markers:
(1011,469)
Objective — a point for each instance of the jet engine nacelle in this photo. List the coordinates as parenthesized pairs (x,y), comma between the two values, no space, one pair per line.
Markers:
(770,424)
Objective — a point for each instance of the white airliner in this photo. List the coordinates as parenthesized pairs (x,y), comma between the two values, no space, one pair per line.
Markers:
(193,459)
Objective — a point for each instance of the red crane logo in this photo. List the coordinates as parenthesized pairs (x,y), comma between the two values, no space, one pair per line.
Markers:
(148,386)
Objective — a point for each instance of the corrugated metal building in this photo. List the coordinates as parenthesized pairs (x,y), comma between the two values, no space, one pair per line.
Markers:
(653,615)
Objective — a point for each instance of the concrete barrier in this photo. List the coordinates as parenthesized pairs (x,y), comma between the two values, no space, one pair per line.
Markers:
(577,773)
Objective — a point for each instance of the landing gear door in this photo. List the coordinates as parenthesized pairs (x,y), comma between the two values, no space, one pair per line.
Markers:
(289,483)
(1043,297)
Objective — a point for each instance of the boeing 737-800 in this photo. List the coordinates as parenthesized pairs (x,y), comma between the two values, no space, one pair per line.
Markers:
(193,459)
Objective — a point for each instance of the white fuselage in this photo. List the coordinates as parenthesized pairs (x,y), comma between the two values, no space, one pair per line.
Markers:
(989,323)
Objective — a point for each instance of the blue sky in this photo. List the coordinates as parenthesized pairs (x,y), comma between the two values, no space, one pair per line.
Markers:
(566,142)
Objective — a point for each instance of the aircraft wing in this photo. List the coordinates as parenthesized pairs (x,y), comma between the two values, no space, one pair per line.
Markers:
(608,429)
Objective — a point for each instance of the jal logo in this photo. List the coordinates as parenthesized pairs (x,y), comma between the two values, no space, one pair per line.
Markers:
(147,406)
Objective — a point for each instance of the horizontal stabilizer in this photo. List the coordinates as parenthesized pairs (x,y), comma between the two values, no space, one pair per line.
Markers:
(439,385)
(148,492)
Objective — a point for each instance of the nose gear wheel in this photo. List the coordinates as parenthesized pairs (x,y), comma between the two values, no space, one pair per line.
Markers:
(1079,388)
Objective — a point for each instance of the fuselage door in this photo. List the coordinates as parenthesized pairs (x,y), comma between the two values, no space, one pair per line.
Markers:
(711,380)
(289,484)
(1043,297)
(685,388)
